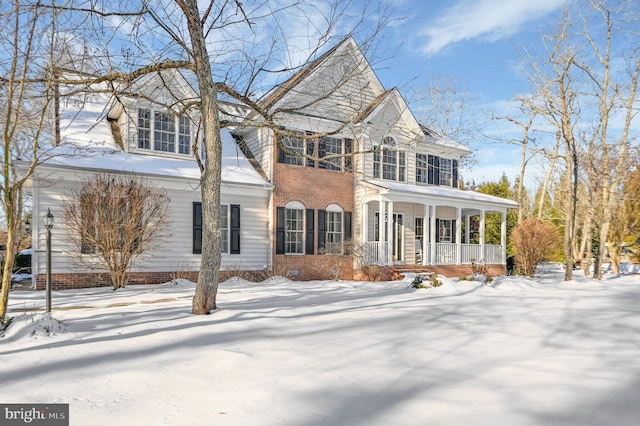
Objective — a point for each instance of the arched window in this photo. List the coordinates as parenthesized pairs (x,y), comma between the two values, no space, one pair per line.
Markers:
(389,163)
(294,227)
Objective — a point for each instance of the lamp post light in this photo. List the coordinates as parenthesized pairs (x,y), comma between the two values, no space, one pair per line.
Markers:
(27,226)
(48,224)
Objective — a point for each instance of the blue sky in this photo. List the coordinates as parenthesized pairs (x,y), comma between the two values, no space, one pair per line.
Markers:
(476,43)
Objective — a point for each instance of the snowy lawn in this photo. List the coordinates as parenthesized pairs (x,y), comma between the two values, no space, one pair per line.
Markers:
(514,352)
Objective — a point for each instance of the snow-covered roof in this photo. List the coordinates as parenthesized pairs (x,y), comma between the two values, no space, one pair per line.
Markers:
(235,166)
(443,192)
(87,142)
(83,121)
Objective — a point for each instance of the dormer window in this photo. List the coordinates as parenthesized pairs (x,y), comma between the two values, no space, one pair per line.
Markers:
(163,131)
(388,162)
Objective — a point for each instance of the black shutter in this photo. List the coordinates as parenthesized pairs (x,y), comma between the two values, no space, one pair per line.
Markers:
(430,168)
(348,152)
(347,226)
(436,170)
(322,228)
(453,231)
(455,173)
(278,139)
(310,231)
(279,230)
(197,228)
(235,229)
(437,230)
(310,151)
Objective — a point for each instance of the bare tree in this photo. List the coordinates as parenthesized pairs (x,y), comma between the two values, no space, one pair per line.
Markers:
(25,89)
(614,95)
(445,109)
(112,220)
(232,52)
(555,101)
(586,86)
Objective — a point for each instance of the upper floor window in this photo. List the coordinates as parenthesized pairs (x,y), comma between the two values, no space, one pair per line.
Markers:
(160,130)
(291,149)
(332,153)
(435,170)
(388,162)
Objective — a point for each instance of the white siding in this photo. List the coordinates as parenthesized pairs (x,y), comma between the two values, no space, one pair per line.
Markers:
(175,253)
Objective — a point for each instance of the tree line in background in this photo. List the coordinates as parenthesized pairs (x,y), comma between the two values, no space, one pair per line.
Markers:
(578,124)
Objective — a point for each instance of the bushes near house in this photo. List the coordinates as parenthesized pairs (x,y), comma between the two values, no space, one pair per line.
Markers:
(533,240)
(426,281)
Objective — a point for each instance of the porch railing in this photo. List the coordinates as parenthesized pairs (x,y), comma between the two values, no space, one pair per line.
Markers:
(471,253)
(492,254)
(445,254)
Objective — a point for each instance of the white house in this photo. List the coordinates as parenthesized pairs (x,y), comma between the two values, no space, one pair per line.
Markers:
(348,165)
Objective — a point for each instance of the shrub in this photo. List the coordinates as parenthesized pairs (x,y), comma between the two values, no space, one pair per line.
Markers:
(533,241)
(372,272)
(418,281)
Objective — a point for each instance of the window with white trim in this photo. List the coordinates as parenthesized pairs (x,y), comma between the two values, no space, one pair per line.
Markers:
(434,170)
(389,163)
(334,229)
(445,230)
(334,153)
(229,228)
(159,131)
(294,234)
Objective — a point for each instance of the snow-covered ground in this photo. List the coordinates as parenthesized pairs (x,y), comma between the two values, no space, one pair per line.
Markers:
(515,351)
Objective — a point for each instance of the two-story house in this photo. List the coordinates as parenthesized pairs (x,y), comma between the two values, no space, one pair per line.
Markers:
(348,177)
(354,173)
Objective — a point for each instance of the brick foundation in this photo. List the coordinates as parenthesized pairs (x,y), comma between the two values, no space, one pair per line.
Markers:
(389,273)
(313,267)
(307,267)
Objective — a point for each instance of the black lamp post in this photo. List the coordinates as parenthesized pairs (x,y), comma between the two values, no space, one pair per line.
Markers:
(48,224)
(27,226)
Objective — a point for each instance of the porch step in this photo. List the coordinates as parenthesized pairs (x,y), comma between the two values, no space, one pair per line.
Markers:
(416,270)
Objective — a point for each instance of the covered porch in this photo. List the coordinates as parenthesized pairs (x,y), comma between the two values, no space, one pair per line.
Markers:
(408,229)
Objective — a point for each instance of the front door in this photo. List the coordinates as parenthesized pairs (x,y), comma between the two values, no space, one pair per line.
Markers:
(398,237)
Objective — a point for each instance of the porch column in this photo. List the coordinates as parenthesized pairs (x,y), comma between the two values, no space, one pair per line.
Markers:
(390,243)
(382,253)
(467,228)
(503,238)
(364,232)
(481,236)
(458,236)
(425,235)
(432,236)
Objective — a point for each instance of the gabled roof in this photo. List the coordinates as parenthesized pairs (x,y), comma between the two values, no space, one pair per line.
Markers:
(326,87)
(279,92)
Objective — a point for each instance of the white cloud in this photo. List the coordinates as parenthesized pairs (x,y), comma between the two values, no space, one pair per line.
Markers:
(490,19)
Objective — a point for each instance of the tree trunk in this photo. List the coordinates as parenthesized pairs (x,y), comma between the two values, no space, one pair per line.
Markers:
(547,178)
(204,300)
(13,219)
(568,223)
